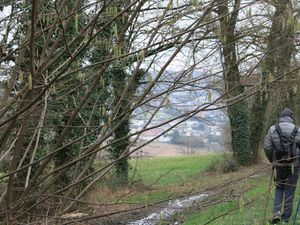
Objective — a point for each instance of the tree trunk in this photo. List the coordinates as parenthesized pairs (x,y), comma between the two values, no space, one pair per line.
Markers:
(238,113)
(269,103)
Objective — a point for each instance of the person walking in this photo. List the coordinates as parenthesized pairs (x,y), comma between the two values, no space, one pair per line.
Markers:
(281,148)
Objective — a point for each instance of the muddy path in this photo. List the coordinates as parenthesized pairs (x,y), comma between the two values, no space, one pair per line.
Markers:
(154,214)
(173,207)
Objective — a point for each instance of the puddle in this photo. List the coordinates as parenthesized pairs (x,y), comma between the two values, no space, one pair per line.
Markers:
(173,207)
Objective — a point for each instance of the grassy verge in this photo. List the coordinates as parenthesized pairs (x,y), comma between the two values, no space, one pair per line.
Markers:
(248,209)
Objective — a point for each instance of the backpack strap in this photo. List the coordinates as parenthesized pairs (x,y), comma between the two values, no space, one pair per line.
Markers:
(294,132)
(279,131)
(280,134)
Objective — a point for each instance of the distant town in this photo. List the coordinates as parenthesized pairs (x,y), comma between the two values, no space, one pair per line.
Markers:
(206,129)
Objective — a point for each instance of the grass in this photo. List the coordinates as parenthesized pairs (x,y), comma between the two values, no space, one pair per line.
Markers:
(156,179)
(236,212)
(252,214)
(171,170)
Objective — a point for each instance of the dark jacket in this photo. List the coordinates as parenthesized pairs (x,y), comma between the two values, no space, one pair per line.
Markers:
(272,141)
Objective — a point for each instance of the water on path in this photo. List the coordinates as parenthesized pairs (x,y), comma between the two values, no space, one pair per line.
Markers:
(173,207)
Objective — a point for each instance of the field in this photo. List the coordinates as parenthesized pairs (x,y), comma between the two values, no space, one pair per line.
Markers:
(158,149)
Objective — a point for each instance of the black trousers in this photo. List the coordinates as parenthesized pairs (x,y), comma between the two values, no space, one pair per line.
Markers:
(286,183)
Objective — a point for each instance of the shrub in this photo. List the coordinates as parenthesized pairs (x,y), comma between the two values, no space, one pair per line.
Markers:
(223,164)
(230,165)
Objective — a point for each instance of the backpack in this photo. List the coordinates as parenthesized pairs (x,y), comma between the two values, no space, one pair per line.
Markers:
(287,149)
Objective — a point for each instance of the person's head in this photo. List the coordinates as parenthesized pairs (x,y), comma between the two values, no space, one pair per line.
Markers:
(287,112)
